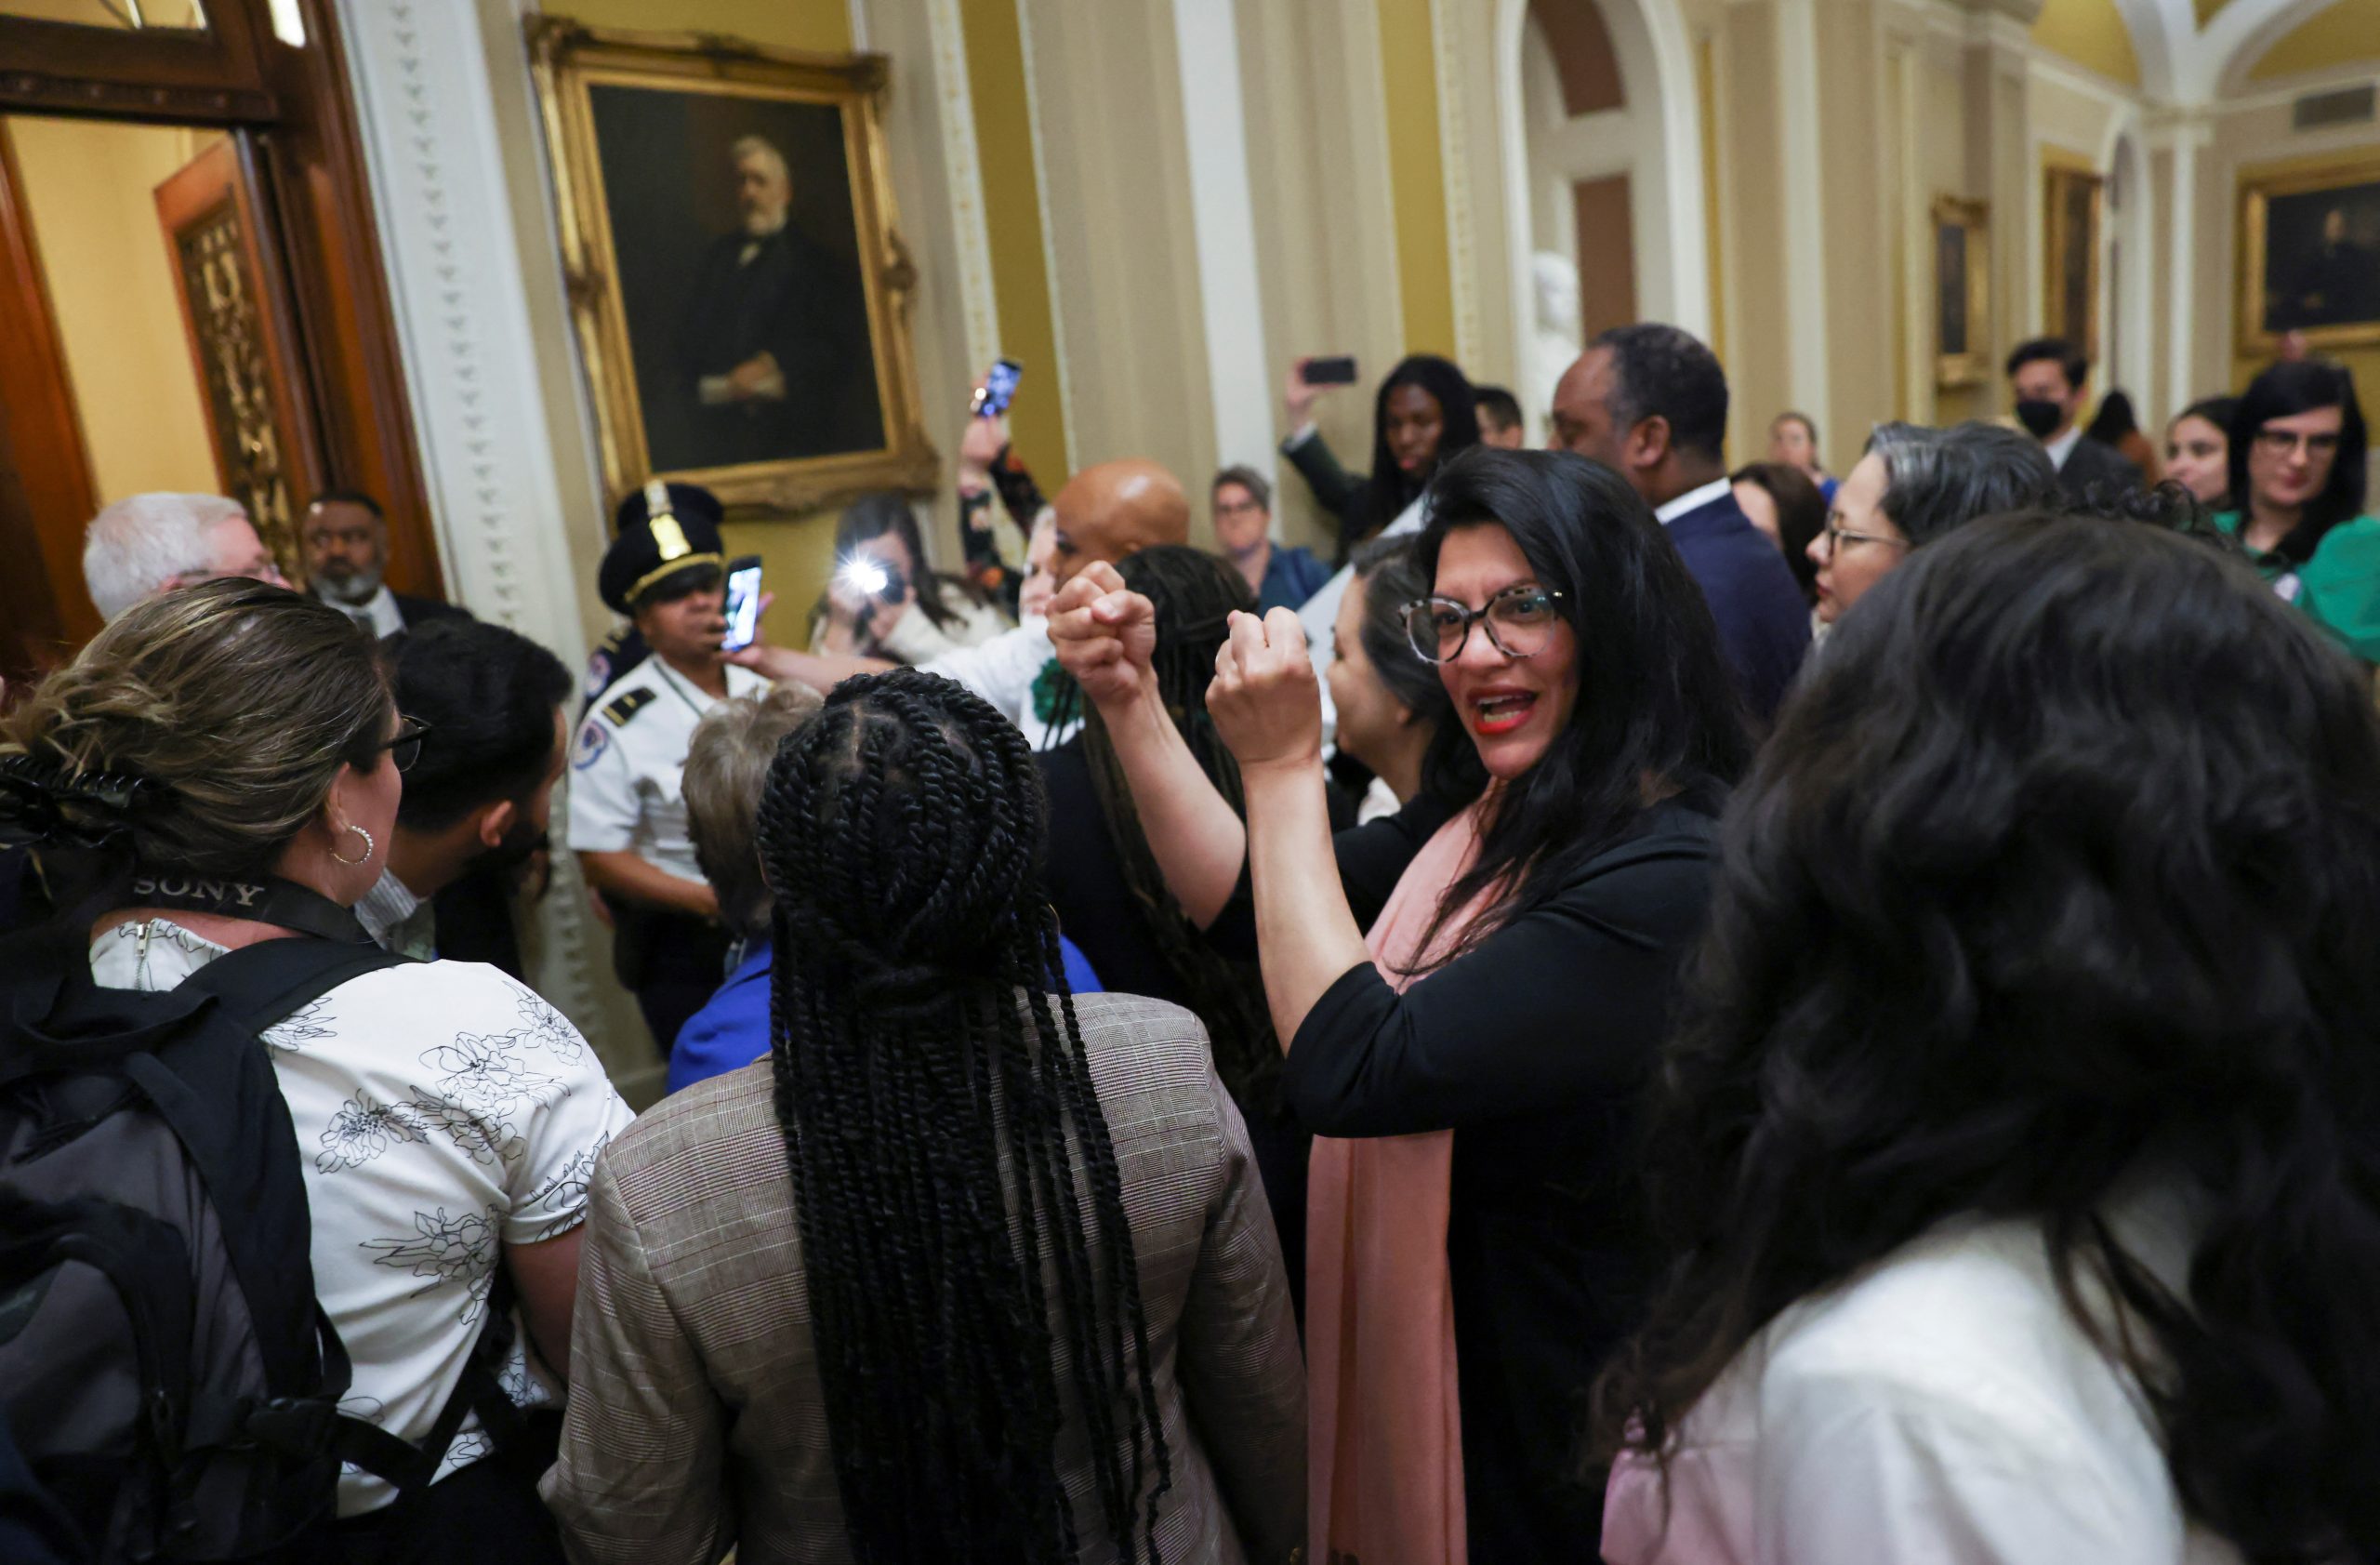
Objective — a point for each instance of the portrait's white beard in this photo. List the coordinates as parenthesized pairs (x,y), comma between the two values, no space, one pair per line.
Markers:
(762,221)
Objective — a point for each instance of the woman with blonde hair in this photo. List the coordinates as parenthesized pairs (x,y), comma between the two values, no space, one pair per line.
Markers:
(446,1116)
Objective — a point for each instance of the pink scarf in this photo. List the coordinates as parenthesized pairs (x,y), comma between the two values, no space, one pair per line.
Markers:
(1384,1450)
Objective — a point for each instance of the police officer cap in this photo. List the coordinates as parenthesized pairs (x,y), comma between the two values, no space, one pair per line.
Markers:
(661,531)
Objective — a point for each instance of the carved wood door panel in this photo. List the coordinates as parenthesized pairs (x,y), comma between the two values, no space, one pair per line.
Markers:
(260,405)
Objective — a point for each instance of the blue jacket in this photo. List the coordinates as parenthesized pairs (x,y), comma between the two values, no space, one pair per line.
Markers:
(1764,619)
(732,1029)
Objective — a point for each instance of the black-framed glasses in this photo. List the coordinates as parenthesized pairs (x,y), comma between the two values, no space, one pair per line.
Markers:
(1837,536)
(2282,442)
(405,749)
(1519,620)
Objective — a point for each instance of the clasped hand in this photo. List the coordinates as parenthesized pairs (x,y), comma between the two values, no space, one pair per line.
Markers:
(1264,699)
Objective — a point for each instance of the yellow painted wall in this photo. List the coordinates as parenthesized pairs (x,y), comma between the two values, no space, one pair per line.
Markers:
(2206,10)
(2090,34)
(2346,30)
(90,187)
(1012,222)
(1408,69)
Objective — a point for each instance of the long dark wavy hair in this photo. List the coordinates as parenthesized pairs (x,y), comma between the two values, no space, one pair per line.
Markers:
(2062,868)
(2284,389)
(1656,712)
(1194,594)
(1390,489)
(915,1047)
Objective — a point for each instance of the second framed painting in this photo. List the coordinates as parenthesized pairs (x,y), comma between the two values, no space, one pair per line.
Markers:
(2310,253)
(737,282)
(1961,291)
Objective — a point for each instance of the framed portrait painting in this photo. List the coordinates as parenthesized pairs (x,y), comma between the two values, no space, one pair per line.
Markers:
(2072,197)
(2310,253)
(738,286)
(1961,291)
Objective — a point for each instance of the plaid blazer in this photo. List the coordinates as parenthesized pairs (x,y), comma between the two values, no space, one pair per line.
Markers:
(695,1418)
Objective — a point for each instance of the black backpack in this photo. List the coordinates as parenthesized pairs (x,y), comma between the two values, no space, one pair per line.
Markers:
(165,1369)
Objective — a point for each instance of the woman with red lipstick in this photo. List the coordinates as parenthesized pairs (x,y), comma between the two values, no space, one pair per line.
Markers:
(1472,1000)
(2297,446)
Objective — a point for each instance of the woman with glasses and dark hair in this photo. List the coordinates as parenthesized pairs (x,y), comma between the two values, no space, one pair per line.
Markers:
(1470,993)
(2297,471)
(2015,1154)
(1913,485)
(446,1116)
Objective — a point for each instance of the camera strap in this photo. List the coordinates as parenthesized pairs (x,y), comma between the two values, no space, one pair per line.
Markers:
(261,899)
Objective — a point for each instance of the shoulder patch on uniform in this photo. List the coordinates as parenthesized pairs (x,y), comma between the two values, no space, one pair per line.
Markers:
(593,740)
(617,712)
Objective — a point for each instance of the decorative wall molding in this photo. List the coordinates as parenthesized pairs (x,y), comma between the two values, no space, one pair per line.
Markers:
(962,164)
(450,245)
(1450,43)
(1798,150)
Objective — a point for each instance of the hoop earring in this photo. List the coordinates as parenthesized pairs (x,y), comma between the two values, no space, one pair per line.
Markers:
(367,846)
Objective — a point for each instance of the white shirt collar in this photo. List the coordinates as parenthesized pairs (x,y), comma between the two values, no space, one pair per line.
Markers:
(1693,499)
(2063,446)
(377,614)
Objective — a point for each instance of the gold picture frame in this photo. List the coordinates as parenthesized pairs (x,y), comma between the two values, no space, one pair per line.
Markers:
(2073,198)
(1962,233)
(2288,257)
(686,334)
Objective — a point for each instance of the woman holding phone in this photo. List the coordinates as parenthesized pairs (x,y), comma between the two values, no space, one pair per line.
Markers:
(885,600)
(1471,997)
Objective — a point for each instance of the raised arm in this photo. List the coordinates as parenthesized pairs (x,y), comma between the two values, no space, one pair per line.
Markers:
(1268,710)
(1104,633)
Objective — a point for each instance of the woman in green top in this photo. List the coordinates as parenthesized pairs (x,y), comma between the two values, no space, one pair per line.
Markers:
(2297,446)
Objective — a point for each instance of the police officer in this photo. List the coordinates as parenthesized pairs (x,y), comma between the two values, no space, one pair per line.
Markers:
(628,810)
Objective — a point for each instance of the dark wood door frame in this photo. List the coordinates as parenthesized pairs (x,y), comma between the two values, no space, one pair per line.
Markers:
(46,487)
(296,106)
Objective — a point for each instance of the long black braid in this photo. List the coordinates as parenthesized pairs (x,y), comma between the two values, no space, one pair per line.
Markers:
(1194,594)
(936,1106)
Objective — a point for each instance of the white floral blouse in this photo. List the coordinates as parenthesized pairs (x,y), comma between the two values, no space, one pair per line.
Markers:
(442,1111)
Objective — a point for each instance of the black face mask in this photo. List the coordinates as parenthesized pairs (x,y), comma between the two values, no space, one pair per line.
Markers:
(2041,416)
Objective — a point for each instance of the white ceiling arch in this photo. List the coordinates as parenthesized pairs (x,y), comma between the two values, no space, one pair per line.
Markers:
(2186,66)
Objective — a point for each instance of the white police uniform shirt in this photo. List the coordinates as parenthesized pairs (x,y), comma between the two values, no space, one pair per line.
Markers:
(628,765)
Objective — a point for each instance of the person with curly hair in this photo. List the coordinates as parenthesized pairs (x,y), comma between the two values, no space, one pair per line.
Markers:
(2016,1154)
(967,1269)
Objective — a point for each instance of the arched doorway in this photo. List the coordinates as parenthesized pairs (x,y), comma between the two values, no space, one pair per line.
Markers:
(1603,161)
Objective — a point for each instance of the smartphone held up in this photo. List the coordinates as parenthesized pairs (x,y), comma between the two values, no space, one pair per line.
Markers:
(743,609)
(998,388)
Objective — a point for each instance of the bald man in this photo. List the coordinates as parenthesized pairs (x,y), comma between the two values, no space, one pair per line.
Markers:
(1104,514)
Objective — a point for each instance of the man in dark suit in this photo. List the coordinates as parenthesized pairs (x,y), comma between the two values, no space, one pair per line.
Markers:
(344,536)
(2048,377)
(772,359)
(1650,403)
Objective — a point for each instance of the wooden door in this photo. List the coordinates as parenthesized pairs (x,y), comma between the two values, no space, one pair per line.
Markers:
(234,294)
(46,494)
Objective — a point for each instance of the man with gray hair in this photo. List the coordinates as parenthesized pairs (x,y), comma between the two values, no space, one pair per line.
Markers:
(144,544)
(1917,485)
(772,354)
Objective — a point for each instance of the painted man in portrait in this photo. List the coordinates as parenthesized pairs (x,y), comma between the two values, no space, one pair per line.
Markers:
(773,352)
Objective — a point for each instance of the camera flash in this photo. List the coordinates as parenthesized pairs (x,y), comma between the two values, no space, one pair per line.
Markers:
(864,574)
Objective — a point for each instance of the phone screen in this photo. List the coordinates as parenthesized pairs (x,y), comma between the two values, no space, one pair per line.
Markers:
(743,604)
(998,388)
(1336,370)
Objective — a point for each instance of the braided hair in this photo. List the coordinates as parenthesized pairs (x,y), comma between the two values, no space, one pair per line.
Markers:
(939,1116)
(1194,594)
